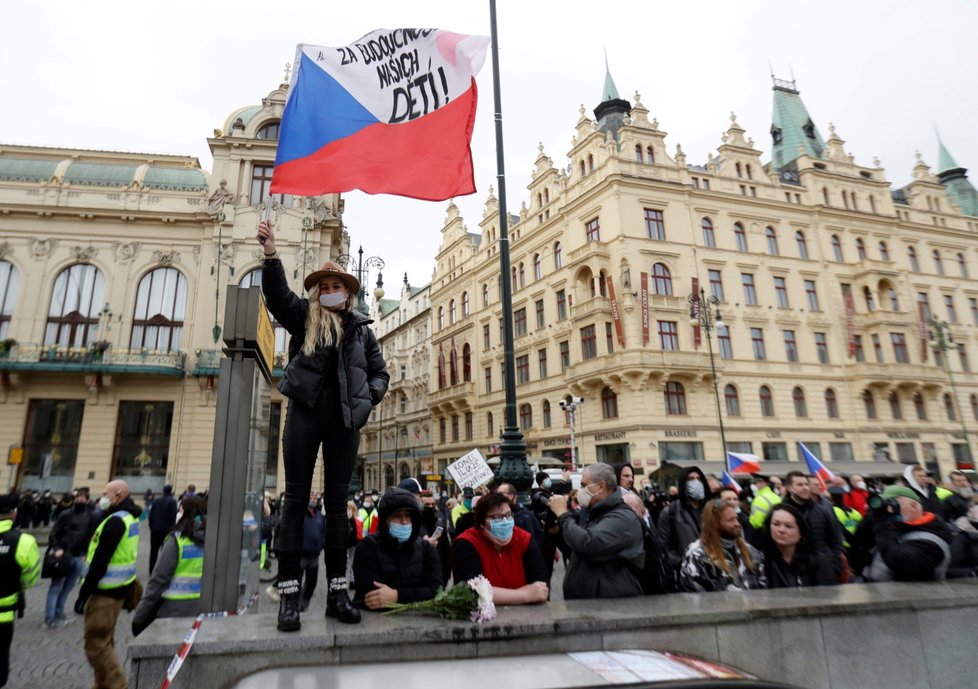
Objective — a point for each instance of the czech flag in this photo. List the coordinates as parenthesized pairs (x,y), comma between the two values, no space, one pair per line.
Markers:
(743,463)
(728,480)
(391,113)
(815,466)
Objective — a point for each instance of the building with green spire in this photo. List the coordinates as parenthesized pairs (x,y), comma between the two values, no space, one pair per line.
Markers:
(612,110)
(793,132)
(955,180)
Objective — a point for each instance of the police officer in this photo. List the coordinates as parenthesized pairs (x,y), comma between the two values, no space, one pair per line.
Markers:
(173,590)
(109,582)
(20,568)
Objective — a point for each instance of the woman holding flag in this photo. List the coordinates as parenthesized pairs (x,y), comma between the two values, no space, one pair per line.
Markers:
(336,374)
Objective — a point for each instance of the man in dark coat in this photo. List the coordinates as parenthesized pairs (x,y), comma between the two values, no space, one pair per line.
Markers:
(914,545)
(680,522)
(162,517)
(607,556)
(823,528)
(396,565)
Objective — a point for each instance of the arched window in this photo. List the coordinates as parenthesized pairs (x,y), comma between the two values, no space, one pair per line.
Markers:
(466,363)
(76,300)
(583,169)
(974,406)
(772,240)
(802,244)
(465,304)
(537,267)
(837,249)
(441,317)
(590,163)
(609,404)
(962,266)
(831,404)
(526,417)
(441,368)
(798,397)
(513,276)
(740,236)
(522,274)
(732,400)
(767,401)
(869,403)
(638,153)
(546,196)
(253,279)
(485,295)
(603,284)
(268,131)
(9,284)
(451,312)
(661,280)
(489,431)
(453,367)
(649,155)
(938,263)
(895,410)
(558,257)
(868,297)
(884,252)
(912,258)
(919,407)
(739,170)
(547,420)
(389,476)
(860,248)
(894,299)
(949,408)
(675,398)
(709,237)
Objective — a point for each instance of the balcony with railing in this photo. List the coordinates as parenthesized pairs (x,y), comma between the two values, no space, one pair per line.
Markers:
(208,363)
(459,395)
(97,358)
(589,307)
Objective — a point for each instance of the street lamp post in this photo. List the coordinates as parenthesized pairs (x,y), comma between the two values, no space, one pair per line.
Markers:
(705,311)
(362,269)
(571,408)
(940,333)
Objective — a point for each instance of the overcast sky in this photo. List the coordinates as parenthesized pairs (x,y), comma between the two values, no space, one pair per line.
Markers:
(159,77)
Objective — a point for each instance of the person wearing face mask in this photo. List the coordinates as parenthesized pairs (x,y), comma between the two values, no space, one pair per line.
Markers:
(70,534)
(680,523)
(110,580)
(502,552)
(396,565)
(857,495)
(367,514)
(607,555)
(173,589)
(335,376)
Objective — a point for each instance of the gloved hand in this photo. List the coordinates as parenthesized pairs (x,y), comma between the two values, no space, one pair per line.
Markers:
(80,606)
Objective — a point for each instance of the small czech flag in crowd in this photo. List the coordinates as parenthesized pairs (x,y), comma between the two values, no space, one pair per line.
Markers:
(743,463)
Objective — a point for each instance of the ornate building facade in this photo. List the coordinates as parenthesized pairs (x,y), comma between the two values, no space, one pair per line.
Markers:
(113,273)
(838,296)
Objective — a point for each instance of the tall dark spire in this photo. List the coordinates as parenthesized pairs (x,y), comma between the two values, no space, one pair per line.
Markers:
(612,109)
(792,129)
(955,180)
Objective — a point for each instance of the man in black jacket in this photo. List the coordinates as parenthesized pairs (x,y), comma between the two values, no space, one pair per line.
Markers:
(911,543)
(823,528)
(109,581)
(69,536)
(162,517)
(396,565)
(680,522)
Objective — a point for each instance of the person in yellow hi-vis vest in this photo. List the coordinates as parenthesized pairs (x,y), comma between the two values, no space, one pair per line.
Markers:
(173,589)
(20,568)
(109,581)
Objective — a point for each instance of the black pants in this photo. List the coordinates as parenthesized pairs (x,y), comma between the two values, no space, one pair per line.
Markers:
(156,539)
(305,430)
(6,636)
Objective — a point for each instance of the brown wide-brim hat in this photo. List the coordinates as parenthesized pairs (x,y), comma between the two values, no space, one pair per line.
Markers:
(332,270)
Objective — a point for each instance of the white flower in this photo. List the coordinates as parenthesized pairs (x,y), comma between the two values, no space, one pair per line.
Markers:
(486,610)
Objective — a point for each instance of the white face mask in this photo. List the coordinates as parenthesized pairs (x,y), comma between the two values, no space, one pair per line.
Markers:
(332,299)
(104,503)
(584,497)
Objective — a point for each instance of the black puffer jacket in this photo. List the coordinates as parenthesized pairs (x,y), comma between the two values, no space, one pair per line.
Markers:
(680,522)
(361,374)
(411,568)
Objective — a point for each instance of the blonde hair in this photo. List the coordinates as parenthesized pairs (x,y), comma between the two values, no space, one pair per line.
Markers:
(710,537)
(324,328)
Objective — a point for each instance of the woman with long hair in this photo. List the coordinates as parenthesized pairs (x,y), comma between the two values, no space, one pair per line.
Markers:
(173,589)
(720,559)
(335,376)
(789,558)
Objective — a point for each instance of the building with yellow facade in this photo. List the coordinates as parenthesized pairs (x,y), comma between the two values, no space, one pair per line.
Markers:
(830,285)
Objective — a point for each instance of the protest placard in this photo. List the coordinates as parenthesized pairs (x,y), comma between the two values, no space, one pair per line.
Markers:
(471,469)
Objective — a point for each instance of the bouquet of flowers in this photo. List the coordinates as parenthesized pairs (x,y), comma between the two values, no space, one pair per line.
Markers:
(470,599)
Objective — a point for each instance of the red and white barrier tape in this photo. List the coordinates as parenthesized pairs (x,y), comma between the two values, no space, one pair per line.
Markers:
(188,640)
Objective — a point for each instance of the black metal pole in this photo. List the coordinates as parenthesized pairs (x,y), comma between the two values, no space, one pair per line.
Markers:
(710,326)
(513,467)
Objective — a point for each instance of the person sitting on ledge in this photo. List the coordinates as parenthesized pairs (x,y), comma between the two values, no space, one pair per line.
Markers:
(502,552)
(396,565)
(720,559)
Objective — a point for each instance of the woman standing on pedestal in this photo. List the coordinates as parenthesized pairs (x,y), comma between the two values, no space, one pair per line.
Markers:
(335,376)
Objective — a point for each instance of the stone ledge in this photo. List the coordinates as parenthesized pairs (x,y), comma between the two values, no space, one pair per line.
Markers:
(704,624)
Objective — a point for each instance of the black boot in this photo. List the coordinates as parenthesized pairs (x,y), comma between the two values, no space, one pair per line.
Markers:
(288,606)
(338,602)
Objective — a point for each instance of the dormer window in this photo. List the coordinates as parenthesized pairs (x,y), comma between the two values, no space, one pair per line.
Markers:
(268,132)
(776,135)
(809,129)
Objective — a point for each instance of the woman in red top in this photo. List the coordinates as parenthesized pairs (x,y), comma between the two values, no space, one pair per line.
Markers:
(502,552)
